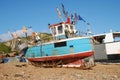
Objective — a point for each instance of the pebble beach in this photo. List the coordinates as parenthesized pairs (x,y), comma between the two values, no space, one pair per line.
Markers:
(24,71)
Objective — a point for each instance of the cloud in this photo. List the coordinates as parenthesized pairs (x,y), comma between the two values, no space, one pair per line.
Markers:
(7,36)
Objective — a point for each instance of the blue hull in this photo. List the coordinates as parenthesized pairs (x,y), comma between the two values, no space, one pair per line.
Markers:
(61,48)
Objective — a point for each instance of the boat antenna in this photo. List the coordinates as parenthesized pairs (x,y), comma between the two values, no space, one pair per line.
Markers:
(89,29)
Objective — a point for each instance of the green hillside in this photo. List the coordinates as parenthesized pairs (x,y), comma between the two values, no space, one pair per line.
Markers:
(4,48)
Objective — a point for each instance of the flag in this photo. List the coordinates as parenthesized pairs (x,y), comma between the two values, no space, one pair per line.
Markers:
(71,16)
(88,23)
(33,35)
(30,27)
(66,14)
(63,9)
(59,13)
(15,35)
(10,33)
(24,29)
(80,18)
(75,17)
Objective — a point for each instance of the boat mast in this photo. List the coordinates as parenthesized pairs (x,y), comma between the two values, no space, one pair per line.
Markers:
(89,29)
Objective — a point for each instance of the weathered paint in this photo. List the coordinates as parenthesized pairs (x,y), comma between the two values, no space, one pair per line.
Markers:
(70,47)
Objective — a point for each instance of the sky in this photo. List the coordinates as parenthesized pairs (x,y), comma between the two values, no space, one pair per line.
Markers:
(103,15)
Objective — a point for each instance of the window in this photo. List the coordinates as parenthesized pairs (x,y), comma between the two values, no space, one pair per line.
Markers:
(53,30)
(60,29)
(60,44)
(71,27)
(66,26)
(116,39)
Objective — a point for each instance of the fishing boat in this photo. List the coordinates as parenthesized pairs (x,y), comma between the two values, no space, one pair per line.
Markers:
(107,46)
(67,49)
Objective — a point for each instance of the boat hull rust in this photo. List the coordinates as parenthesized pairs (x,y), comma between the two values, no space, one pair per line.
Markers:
(63,57)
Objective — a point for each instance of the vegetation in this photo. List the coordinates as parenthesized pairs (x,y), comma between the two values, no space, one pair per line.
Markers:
(4,48)
(44,37)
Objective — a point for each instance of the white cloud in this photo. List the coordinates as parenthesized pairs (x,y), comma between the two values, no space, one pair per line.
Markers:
(7,36)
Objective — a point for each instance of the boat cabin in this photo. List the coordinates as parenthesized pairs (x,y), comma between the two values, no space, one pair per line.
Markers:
(107,37)
(63,30)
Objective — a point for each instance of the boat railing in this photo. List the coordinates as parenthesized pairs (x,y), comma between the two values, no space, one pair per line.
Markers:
(52,38)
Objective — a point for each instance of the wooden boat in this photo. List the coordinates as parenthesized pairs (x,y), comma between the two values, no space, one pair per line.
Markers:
(67,49)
